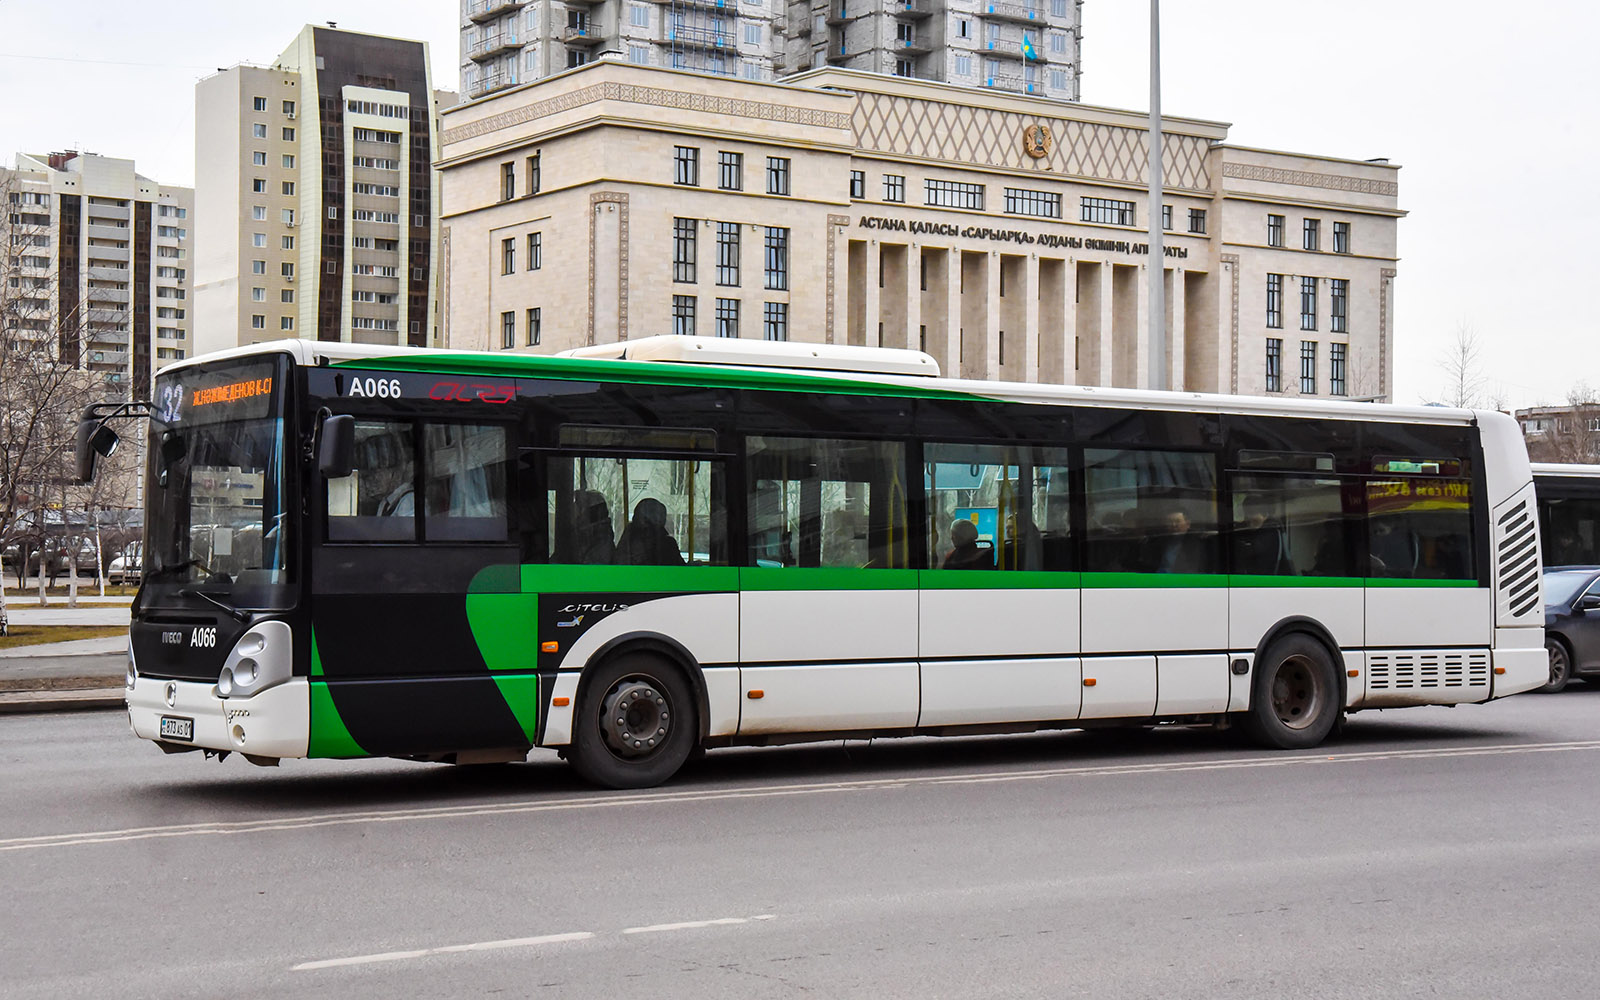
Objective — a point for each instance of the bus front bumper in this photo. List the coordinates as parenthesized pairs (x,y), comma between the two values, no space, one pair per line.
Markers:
(272,723)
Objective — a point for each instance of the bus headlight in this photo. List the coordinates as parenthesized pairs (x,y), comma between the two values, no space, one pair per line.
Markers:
(133,671)
(262,658)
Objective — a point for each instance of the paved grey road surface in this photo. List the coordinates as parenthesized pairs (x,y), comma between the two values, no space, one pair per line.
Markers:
(1430,852)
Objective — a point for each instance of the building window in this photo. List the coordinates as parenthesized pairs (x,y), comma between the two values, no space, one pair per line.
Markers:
(686,165)
(535,251)
(508,181)
(1308,367)
(728,254)
(1336,369)
(258,295)
(285,295)
(258,130)
(683,236)
(258,185)
(1042,204)
(286,322)
(535,326)
(288,161)
(952,194)
(288,134)
(1274,364)
(288,107)
(258,267)
(903,67)
(287,270)
(534,178)
(287,242)
(1108,211)
(775,321)
(683,315)
(1275,301)
(728,318)
(638,15)
(1166,216)
(894,187)
(777,262)
(1197,220)
(258,239)
(639,55)
(1312,234)
(1341,237)
(777,175)
(288,188)
(858,184)
(258,159)
(1274,230)
(508,255)
(1339,305)
(730,171)
(259,104)
(258,322)
(258,213)
(1308,303)
(963,64)
(508,330)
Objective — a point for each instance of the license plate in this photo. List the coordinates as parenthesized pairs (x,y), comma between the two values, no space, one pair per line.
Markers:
(175,728)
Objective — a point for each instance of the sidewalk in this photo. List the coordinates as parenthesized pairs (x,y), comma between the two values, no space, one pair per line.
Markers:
(60,614)
(63,676)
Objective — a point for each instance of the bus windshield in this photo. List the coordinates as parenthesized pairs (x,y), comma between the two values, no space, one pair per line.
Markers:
(217,524)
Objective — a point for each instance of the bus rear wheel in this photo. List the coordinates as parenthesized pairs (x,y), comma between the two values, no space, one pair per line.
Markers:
(1560,665)
(1294,700)
(636,725)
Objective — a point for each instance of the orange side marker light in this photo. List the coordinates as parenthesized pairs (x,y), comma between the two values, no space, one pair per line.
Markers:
(1499,670)
(561,702)
(1352,673)
(755,694)
(550,647)
(1088,682)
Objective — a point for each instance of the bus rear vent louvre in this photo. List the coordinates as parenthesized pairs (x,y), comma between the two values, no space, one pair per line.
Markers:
(1410,671)
(1517,560)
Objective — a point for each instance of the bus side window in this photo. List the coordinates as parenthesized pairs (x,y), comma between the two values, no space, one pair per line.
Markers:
(465,482)
(1151,511)
(636,510)
(1014,497)
(1290,525)
(824,502)
(376,502)
(1420,528)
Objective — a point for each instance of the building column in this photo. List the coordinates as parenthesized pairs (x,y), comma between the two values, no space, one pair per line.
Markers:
(870,304)
(1030,318)
(911,293)
(1064,304)
(1108,328)
(952,314)
(991,317)
(1179,308)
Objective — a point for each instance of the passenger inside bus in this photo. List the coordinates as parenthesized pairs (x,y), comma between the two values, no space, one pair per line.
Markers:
(592,535)
(646,541)
(966,554)
(1259,545)
(1178,549)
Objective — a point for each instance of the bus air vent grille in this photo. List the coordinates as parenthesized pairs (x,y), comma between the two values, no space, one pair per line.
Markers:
(1517,560)
(1411,670)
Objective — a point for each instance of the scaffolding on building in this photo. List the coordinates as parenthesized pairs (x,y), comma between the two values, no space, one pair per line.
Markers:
(702,35)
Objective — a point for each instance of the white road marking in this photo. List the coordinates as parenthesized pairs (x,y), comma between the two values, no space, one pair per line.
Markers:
(687,925)
(669,797)
(400,956)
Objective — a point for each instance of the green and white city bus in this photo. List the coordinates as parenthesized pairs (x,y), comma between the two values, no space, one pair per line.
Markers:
(1569,513)
(644,549)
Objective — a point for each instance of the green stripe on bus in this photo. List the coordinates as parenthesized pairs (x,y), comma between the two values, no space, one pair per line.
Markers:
(1384,582)
(329,737)
(316,656)
(825,578)
(1154,581)
(637,579)
(967,579)
(506,628)
(653,373)
(521,692)
(1256,582)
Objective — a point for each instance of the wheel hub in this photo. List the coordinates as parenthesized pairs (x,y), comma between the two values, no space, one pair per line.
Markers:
(1295,695)
(635,718)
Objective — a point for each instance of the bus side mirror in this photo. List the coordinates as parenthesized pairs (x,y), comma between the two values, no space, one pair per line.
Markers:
(336,448)
(94,439)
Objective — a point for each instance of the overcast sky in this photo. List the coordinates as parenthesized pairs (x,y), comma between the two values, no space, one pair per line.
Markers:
(1487,106)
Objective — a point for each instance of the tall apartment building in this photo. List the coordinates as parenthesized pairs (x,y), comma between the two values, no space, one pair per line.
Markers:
(1025,46)
(97,261)
(317,173)
(507,42)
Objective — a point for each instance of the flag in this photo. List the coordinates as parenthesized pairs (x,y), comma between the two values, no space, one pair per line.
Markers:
(1028,51)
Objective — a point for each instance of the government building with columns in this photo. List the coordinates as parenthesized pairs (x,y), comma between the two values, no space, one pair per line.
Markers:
(1003,234)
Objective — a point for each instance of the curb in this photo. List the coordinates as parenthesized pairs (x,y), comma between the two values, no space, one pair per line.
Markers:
(15,702)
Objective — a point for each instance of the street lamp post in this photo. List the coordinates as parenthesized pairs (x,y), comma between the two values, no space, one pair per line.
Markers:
(1158,257)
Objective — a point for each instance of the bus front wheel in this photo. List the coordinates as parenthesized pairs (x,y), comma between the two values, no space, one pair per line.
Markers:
(637,723)
(1294,700)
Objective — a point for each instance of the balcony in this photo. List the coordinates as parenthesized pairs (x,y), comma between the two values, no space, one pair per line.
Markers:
(107,298)
(101,272)
(1000,46)
(491,82)
(1014,84)
(723,5)
(912,46)
(582,35)
(911,10)
(686,37)
(840,15)
(119,233)
(479,11)
(494,45)
(1021,13)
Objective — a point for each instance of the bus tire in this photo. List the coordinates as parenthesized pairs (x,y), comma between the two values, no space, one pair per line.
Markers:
(637,722)
(1560,665)
(1294,700)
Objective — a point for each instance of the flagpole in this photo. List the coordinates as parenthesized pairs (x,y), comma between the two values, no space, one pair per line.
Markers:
(1157,266)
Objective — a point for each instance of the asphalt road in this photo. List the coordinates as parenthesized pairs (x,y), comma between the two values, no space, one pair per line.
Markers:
(1428,852)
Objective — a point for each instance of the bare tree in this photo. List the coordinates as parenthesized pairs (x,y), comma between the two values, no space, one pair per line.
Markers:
(1574,435)
(1462,364)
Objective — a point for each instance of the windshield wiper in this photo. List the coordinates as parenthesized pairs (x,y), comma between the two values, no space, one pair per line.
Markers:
(174,570)
(233,612)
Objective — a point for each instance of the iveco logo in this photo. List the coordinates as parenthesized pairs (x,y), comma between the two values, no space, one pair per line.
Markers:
(172,695)
(172,638)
